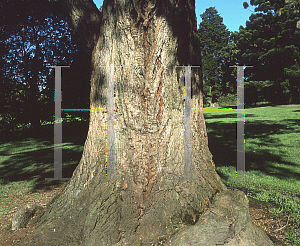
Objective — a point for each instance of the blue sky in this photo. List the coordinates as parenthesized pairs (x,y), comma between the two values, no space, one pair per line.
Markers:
(232,11)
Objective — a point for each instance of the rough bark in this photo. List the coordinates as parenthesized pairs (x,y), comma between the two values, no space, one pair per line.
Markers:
(226,222)
(23,216)
(147,205)
(84,18)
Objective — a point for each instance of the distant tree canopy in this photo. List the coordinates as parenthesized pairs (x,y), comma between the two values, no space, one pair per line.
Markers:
(35,34)
(29,43)
(213,36)
(270,42)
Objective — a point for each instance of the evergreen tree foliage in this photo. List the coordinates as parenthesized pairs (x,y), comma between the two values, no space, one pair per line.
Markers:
(270,42)
(293,6)
(213,36)
(230,56)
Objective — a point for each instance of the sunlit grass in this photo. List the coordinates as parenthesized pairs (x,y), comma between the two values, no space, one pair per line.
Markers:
(272,145)
(272,148)
(26,162)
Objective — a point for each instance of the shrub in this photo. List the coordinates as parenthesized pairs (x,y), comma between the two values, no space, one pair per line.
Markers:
(227,100)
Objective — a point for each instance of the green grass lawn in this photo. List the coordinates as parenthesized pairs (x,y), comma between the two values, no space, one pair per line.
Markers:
(272,155)
(272,145)
(26,162)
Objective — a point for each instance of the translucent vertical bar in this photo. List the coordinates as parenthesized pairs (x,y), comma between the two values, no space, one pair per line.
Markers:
(58,128)
(110,144)
(240,143)
(187,126)
(110,123)
(188,147)
(240,124)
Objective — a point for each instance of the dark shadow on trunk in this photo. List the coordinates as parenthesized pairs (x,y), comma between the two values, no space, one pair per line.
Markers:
(147,204)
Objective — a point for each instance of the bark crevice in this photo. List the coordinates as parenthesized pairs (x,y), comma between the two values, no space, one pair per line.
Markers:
(147,204)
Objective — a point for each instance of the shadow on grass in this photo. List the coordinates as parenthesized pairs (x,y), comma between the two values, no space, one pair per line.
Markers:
(30,157)
(222,144)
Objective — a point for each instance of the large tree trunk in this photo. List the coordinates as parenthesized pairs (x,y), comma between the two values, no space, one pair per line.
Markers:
(147,204)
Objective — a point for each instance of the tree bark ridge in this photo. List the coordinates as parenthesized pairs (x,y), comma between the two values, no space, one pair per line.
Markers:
(147,203)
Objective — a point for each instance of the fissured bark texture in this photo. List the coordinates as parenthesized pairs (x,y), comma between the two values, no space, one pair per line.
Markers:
(147,204)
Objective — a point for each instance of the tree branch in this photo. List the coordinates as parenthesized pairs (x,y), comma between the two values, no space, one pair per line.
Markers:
(84,18)
(283,226)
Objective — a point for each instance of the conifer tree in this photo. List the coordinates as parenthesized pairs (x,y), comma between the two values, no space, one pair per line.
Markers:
(270,42)
(213,36)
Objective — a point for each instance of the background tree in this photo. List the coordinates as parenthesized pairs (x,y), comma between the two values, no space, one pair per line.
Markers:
(213,36)
(147,204)
(293,72)
(293,6)
(230,56)
(27,47)
(269,42)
